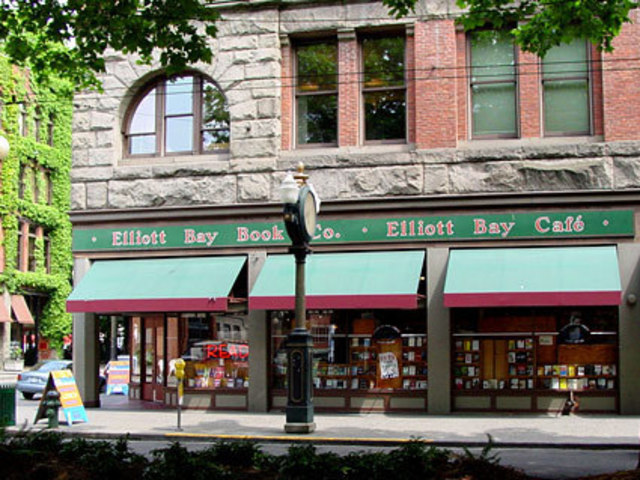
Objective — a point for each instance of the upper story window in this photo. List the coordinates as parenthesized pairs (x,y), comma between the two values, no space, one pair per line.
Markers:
(27,188)
(180,115)
(383,88)
(493,85)
(317,94)
(32,263)
(565,87)
(38,124)
(48,186)
(50,129)
(22,120)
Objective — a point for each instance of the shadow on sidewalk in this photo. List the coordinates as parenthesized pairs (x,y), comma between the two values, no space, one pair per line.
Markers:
(122,402)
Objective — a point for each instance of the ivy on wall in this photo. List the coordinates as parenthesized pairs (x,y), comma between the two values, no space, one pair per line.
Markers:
(46,109)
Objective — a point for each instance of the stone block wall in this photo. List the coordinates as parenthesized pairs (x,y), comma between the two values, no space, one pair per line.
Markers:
(253,67)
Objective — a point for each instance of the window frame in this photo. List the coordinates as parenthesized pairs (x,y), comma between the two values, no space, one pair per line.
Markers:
(471,84)
(297,93)
(588,77)
(23,127)
(46,238)
(32,247)
(28,173)
(51,129)
(365,90)
(160,121)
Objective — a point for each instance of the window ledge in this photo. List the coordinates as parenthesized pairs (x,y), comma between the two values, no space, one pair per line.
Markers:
(527,142)
(368,149)
(175,159)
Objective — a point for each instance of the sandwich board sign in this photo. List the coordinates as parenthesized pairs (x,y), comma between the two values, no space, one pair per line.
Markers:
(64,383)
(118,377)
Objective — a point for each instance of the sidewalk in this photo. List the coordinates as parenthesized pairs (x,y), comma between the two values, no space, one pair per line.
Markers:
(141,420)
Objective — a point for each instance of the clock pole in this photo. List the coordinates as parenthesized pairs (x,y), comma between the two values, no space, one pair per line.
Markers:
(300,221)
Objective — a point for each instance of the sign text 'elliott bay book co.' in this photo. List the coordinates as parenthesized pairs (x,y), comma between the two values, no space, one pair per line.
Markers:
(612,223)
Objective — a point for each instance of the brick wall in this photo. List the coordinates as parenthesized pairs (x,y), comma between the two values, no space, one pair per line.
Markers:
(436,96)
(286,118)
(529,103)
(621,84)
(348,89)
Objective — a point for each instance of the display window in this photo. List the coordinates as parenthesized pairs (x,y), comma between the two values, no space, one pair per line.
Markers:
(554,349)
(356,350)
(216,351)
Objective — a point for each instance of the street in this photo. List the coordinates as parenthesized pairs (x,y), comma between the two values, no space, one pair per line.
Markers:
(549,463)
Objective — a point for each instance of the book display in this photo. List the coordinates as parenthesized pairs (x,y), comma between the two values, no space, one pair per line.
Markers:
(531,353)
(356,355)
(512,364)
(371,367)
(577,377)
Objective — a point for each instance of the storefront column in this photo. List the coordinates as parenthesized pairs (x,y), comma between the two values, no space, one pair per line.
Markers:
(86,359)
(438,334)
(629,326)
(259,361)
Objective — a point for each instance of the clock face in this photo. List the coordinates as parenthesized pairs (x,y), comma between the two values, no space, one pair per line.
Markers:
(308,211)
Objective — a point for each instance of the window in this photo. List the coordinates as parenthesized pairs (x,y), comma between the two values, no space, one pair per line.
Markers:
(38,124)
(47,252)
(31,252)
(493,85)
(357,350)
(19,250)
(48,186)
(50,130)
(28,187)
(317,94)
(545,349)
(181,115)
(565,86)
(22,120)
(213,358)
(383,88)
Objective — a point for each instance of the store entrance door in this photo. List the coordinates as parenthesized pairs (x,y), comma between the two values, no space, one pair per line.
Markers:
(153,373)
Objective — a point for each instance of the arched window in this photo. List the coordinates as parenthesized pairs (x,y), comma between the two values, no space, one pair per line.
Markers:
(181,115)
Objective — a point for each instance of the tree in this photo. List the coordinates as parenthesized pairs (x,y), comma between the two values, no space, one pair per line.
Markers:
(68,38)
(538,25)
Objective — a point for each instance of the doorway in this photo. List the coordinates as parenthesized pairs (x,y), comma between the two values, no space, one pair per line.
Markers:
(153,371)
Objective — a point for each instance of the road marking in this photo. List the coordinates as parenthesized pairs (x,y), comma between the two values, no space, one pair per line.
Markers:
(298,438)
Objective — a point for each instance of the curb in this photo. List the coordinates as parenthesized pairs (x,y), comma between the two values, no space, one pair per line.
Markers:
(343,441)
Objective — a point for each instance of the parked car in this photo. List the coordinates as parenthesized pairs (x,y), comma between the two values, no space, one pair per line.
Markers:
(32,382)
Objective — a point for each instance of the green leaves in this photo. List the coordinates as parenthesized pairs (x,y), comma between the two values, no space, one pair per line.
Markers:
(539,25)
(69,38)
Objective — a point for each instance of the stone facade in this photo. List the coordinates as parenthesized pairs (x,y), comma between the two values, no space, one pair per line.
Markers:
(253,68)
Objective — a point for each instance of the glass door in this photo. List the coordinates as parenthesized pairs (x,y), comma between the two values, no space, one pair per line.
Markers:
(153,371)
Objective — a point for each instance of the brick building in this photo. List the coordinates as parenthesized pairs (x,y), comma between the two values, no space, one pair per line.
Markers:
(35,231)
(478,200)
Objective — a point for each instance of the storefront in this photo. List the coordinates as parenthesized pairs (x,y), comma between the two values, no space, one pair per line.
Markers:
(478,312)
(529,324)
(368,322)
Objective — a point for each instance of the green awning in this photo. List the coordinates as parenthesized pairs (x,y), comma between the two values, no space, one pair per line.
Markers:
(195,284)
(363,280)
(494,277)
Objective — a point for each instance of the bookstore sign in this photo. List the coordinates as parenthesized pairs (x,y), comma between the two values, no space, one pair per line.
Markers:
(540,225)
